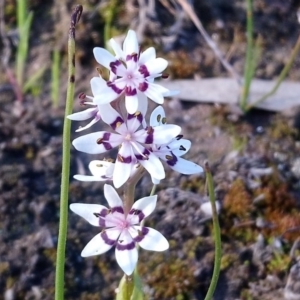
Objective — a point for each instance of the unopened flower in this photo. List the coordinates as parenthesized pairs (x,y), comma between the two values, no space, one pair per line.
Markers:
(121,230)
(132,73)
(171,151)
(130,138)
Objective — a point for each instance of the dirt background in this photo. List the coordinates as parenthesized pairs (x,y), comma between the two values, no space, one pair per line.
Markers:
(254,158)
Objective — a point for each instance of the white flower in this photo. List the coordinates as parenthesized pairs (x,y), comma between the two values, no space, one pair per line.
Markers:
(101,170)
(120,230)
(131,73)
(130,140)
(172,150)
(98,85)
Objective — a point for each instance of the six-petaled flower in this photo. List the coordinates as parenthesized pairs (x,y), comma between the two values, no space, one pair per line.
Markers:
(132,73)
(121,229)
(130,138)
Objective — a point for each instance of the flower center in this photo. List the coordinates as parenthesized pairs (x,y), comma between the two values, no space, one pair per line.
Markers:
(128,137)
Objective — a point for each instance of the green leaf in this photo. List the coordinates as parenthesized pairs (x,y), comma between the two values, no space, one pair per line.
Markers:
(130,288)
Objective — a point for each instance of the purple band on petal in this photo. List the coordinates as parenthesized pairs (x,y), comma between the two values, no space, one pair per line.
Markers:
(106,239)
(149,138)
(141,234)
(138,213)
(138,115)
(103,213)
(116,123)
(118,209)
(105,141)
(144,155)
(133,57)
(144,71)
(143,86)
(125,160)
(121,247)
(114,87)
(172,162)
(129,91)
(114,66)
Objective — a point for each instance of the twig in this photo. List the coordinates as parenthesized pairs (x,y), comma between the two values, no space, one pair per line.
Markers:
(188,9)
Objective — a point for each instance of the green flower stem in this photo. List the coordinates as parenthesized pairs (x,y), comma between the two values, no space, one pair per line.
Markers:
(153,190)
(281,77)
(217,234)
(63,220)
(248,73)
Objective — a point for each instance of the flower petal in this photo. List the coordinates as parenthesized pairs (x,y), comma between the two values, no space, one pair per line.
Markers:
(186,167)
(112,196)
(158,116)
(89,178)
(97,142)
(90,124)
(107,95)
(148,55)
(179,147)
(88,211)
(101,168)
(117,49)
(152,240)
(165,133)
(156,66)
(83,115)
(123,166)
(101,243)
(98,85)
(155,92)
(146,205)
(126,253)
(131,103)
(103,57)
(130,44)
(154,166)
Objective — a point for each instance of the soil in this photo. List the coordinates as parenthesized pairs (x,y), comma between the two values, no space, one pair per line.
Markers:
(254,159)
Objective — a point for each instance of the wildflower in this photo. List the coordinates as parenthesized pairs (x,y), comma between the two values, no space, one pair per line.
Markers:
(98,84)
(101,170)
(120,229)
(132,73)
(171,151)
(130,140)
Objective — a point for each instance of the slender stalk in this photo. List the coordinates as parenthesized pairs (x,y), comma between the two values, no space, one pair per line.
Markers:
(153,190)
(217,234)
(248,72)
(281,77)
(55,68)
(63,220)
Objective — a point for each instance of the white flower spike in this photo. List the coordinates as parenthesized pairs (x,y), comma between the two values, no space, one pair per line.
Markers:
(120,230)
(131,138)
(132,73)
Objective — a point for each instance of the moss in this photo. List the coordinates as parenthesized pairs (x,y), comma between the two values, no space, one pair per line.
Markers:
(279,263)
(237,202)
(227,260)
(173,277)
(181,65)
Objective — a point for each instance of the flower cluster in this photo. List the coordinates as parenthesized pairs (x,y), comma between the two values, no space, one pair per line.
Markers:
(121,102)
